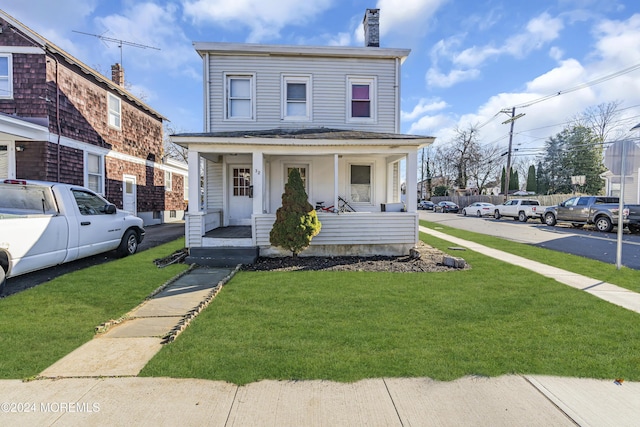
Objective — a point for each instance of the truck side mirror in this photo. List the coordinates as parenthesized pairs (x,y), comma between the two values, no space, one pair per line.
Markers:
(110,209)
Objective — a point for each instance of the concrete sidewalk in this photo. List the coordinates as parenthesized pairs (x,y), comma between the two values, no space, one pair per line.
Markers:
(97,383)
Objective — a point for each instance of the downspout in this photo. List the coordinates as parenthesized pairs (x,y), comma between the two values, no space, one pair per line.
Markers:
(207,87)
(397,90)
(58,126)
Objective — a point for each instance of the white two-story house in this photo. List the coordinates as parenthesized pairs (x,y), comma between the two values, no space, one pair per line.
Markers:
(333,113)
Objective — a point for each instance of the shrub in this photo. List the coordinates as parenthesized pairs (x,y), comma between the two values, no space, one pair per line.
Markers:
(296,220)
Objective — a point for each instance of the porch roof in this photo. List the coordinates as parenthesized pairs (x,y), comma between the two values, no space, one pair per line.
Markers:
(305,136)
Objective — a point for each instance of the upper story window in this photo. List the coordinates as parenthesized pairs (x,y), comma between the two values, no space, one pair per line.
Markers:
(240,97)
(296,94)
(6,75)
(115,111)
(94,172)
(361,95)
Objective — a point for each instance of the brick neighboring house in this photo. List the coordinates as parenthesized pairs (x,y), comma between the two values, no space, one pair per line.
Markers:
(62,121)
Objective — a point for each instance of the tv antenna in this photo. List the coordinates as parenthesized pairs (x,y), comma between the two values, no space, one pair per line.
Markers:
(120,42)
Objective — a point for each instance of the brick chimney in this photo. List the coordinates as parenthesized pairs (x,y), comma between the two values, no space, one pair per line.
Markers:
(371,23)
(117,74)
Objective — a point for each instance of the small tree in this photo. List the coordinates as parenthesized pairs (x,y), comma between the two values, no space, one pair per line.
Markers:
(296,220)
(531,179)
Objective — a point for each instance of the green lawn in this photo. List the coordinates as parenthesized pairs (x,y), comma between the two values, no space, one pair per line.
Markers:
(41,325)
(625,277)
(493,319)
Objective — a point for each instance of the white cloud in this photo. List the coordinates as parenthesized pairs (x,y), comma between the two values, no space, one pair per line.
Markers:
(427,125)
(540,30)
(264,19)
(437,79)
(424,106)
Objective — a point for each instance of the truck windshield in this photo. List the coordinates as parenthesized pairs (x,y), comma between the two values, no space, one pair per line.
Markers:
(27,199)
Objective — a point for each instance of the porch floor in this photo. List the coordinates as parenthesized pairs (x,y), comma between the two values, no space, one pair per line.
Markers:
(232,232)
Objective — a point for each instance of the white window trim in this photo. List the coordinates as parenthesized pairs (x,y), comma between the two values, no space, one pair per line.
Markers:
(168,181)
(372,81)
(296,78)
(371,183)
(111,112)
(252,79)
(9,94)
(102,171)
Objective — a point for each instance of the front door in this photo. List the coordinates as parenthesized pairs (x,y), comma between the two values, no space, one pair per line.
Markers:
(240,195)
(129,194)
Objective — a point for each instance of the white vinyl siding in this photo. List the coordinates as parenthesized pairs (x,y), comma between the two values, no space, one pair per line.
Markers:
(327,92)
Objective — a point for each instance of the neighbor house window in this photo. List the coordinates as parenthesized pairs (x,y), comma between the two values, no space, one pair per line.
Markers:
(94,172)
(360,181)
(296,102)
(240,97)
(361,95)
(167,181)
(115,112)
(6,76)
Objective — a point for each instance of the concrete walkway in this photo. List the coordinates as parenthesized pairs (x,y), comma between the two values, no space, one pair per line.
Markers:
(603,290)
(97,383)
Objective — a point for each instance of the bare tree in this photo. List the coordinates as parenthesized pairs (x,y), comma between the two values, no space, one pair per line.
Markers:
(600,119)
(486,167)
(172,150)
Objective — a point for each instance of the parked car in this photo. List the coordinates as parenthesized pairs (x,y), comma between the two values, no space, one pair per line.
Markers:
(446,207)
(520,210)
(43,224)
(479,209)
(426,205)
(600,211)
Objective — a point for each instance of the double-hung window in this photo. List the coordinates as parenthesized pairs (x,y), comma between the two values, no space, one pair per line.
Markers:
(115,111)
(240,97)
(94,172)
(361,96)
(296,98)
(6,76)
(168,181)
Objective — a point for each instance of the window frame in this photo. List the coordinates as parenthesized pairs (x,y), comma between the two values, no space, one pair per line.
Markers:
(8,77)
(370,81)
(228,77)
(168,181)
(370,165)
(305,179)
(284,102)
(100,174)
(116,113)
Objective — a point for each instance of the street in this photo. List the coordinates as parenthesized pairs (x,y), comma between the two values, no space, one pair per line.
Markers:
(154,235)
(582,242)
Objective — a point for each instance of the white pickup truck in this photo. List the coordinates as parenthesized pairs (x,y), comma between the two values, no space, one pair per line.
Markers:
(43,224)
(520,209)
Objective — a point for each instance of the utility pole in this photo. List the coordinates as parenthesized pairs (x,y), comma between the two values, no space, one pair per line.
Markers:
(507,174)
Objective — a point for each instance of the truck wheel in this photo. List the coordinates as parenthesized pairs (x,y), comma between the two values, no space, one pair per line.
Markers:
(522,217)
(550,220)
(604,224)
(129,244)
(496,214)
(2,280)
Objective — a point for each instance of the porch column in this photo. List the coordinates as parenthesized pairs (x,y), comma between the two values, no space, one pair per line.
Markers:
(335,181)
(193,160)
(257,180)
(412,181)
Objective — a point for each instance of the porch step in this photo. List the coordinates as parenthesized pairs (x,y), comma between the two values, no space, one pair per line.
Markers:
(222,256)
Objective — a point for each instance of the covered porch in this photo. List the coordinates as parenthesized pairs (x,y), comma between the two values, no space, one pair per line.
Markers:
(238,180)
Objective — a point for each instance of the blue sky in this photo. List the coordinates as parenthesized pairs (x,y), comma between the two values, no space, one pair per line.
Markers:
(469,59)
